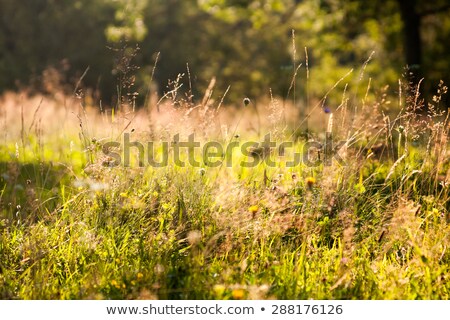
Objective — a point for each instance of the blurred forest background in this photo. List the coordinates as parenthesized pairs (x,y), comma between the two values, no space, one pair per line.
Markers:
(246,44)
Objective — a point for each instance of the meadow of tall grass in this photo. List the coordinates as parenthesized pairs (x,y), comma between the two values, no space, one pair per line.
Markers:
(372,226)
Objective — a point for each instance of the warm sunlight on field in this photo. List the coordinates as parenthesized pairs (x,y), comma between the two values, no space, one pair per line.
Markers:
(225,150)
(369,221)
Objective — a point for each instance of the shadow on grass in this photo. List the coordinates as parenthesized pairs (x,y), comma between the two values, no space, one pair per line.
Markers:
(30,190)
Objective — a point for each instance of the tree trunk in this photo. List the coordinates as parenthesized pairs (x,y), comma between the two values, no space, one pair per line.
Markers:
(412,41)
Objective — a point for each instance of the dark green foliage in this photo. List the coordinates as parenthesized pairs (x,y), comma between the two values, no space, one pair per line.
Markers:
(245,44)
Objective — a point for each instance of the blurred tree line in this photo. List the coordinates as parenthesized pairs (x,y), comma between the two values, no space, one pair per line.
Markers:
(111,46)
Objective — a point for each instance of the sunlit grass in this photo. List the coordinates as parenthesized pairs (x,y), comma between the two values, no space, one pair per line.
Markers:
(75,228)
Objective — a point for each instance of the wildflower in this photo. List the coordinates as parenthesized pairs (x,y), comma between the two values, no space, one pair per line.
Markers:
(139,276)
(327,110)
(114,283)
(310,182)
(246,101)
(219,289)
(238,294)
(253,209)
(155,194)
